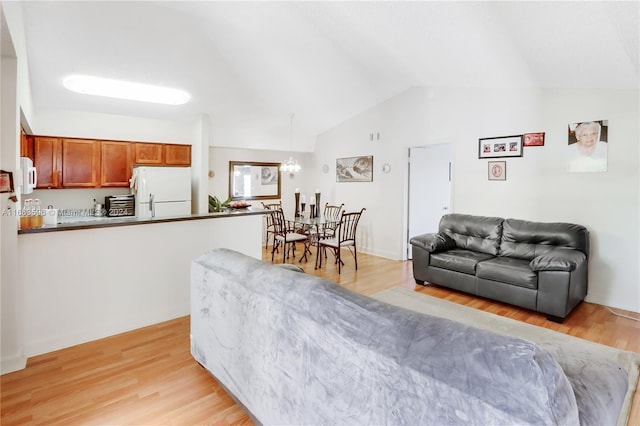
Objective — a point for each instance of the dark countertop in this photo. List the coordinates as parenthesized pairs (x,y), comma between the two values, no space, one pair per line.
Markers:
(107,222)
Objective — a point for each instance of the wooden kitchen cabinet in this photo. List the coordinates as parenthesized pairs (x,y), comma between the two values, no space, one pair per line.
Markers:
(149,153)
(116,163)
(26,145)
(87,163)
(47,159)
(177,155)
(162,154)
(80,163)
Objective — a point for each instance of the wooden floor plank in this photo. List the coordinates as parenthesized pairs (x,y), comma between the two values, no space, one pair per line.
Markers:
(148,376)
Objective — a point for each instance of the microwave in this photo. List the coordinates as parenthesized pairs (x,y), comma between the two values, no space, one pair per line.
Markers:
(120,205)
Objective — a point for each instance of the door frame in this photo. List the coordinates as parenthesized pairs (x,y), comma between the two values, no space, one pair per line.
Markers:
(405,226)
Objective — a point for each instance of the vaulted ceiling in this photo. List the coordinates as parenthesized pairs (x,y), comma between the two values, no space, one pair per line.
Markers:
(249,65)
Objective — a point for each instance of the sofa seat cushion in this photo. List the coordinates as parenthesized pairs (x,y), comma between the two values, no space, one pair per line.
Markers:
(458,260)
(508,270)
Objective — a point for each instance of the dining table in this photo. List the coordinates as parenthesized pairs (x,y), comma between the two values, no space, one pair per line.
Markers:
(314,228)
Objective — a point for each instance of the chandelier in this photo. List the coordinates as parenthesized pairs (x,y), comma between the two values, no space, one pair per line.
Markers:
(290,166)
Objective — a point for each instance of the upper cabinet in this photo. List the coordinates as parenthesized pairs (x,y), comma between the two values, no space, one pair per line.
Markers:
(177,155)
(149,153)
(26,144)
(86,163)
(80,163)
(116,163)
(162,154)
(47,160)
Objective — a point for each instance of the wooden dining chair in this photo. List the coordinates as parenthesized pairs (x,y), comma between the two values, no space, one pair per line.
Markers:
(269,221)
(284,235)
(345,236)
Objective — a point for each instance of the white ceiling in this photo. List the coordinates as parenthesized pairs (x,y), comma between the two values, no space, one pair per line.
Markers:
(249,65)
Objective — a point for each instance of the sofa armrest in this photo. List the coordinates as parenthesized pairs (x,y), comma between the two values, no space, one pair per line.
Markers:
(433,242)
(558,260)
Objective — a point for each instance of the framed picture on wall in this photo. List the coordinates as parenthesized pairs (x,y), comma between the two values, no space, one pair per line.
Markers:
(354,169)
(534,139)
(497,170)
(588,143)
(501,146)
(6,181)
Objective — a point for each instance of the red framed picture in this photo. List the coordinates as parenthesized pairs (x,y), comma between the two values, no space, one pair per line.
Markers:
(534,139)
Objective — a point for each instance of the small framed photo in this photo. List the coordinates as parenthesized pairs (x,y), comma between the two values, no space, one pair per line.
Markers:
(502,146)
(534,139)
(497,170)
(6,181)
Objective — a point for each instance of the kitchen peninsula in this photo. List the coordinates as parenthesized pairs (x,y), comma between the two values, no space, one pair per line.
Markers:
(92,222)
(86,280)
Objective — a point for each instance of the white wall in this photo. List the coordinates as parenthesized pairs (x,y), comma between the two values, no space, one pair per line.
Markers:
(15,23)
(87,284)
(11,348)
(91,125)
(398,121)
(219,164)
(538,187)
(200,164)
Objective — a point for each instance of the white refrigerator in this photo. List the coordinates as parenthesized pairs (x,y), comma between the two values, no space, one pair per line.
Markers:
(161,191)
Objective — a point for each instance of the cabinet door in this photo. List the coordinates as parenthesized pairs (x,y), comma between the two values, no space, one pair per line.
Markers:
(177,155)
(115,163)
(80,163)
(148,153)
(47,157)
(26,145)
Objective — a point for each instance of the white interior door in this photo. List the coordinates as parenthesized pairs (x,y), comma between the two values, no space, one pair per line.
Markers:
(429,189)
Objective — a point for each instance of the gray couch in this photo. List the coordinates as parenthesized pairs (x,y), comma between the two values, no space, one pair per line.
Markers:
(297,349)
(534,265)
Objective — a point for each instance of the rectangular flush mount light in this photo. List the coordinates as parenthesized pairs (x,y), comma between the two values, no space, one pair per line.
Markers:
(120,89)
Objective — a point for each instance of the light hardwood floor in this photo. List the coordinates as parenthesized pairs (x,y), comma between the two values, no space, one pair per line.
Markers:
(148,377)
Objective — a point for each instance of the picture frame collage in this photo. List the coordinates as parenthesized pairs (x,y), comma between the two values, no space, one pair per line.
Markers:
(505,147)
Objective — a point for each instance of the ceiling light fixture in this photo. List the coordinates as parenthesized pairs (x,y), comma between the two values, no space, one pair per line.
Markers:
(291,166)
(121,89)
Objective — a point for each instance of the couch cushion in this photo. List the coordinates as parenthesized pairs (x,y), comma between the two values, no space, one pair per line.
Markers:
(526,240)
(458,260)
(508,270)
(477,233)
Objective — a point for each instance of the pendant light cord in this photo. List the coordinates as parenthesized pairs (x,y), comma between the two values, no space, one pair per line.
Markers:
(291,133)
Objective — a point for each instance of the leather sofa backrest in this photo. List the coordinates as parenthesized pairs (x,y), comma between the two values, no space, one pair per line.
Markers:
(525,240)
(477,233)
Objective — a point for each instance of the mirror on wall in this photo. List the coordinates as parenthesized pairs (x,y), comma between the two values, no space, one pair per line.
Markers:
(253,180)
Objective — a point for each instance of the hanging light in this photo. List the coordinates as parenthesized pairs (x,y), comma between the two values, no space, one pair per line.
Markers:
(291,166)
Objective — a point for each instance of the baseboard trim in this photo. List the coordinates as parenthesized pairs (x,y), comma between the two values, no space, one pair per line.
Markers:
(13,363)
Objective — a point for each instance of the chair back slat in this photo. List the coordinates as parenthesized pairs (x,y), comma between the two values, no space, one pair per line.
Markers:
(348,226)
(272,206)
(332,216)
(279,223)
(332,212)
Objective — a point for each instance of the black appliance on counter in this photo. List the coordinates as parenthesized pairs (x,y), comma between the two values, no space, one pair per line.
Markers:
(120,205)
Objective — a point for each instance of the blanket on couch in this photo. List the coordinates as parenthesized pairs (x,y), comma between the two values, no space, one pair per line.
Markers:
(297,349)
